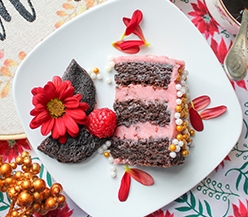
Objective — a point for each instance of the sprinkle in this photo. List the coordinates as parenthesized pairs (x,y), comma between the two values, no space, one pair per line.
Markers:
(113,174)
(93,76)
(99,76)
(173,154)
(112,63)
(108,68)
(108,80)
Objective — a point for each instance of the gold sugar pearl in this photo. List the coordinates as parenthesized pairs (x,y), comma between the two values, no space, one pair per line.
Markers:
(180,137)
(172,147)
(178,78)
(184,127)
(185,123)
(184,146)
(182,113)
(178,108)
(192,132)
(5,170)
(106,154)
(19,160)
(189,140)
(185,153)
(180,71)
(186,136)
(13,165)
(179,128)
(95,70)
(14,214)
(25,154)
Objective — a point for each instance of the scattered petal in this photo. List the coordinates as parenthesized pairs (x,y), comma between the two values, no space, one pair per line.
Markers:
(10,63)
(132,50)
(201,102)
(134,22)
(195,120)
(141,176)
(131,43)
(5,90)
(5,71)
(213,112)
(22,55)
(137,31)
(1,54)
(59,23)
(68,6)
(61,13)
(125,186)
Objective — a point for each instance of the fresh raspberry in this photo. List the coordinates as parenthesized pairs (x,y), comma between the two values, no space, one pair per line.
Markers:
(102,122)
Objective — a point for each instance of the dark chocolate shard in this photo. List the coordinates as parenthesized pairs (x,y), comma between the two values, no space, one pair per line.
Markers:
(75,150)
(82,83)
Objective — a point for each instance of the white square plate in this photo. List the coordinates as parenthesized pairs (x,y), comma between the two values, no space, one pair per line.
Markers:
(88,39)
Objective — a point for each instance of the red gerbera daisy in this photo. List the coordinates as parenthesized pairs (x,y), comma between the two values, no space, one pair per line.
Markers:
(57,110)
(12,148)
(203,21)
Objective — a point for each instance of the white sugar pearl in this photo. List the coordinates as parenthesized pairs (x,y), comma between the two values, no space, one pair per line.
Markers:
(175,141)
(179,93)
(108,143)
(178,101)
(111,159)
(89,71)
(183,83)
(191,145)
(108,80)
(179,121)
(100,150)
(99,76)
(109,68)
(177,148)
(183,77)
(93,76)
(112,63)
(110,58)
(113,174)
(180,143)
(173,154)
(186,105)
(104,147)
(178,86)
(113,168)
(183,90)
(185,131)
(186,72)
(177,115)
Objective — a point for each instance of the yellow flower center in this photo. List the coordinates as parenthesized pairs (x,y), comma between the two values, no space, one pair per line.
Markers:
(56,108)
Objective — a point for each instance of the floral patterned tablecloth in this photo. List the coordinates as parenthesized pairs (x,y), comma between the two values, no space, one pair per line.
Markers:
(222,193)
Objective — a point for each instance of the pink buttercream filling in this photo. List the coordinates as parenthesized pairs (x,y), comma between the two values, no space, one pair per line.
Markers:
(145,131)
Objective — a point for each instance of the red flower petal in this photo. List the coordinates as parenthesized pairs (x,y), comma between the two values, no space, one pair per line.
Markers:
(131,43)
(33,112)
(201,102)
(39,108)
(39,98)
(137,31)
(33,124)
(134,22)
(83,105)
(71,102)
(56,81)
(47,127)
(195,120)
(67,93)
(60,90)
(49,91)
(141,176)
(63,139)
(78,97)
(70,124)
(82,122)
(43,117)
(132,50)
(55,132)
(37,90)
(125,186)
(61,127)
(213,112)
(77,113)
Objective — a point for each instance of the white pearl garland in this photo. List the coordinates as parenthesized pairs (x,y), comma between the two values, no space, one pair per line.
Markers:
(178,101)
(179,93)
(179,121)
(180,143)
(178,86)
(175,141)
(177,115)
(177,148)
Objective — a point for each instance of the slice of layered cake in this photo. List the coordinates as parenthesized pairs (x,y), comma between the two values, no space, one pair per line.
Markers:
(151,106)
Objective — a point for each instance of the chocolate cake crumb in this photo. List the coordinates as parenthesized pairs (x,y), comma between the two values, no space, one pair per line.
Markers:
(145,152)
(134,111)
(82,84)
(75,150)
(144,73)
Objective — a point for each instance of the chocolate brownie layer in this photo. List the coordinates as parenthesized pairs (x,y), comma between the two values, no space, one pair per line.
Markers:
(82,83)
(144,73)
(134,111)
(76,149)
(145,152)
